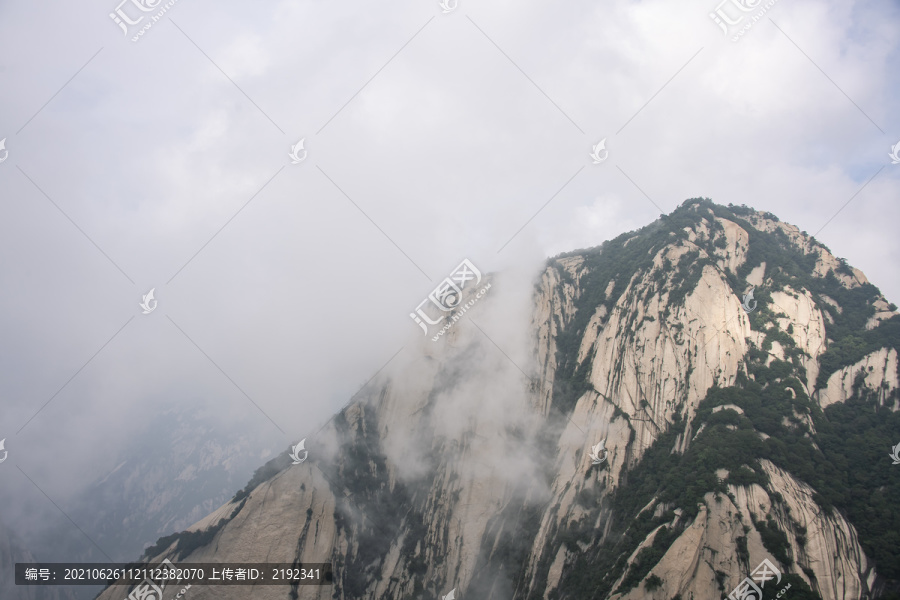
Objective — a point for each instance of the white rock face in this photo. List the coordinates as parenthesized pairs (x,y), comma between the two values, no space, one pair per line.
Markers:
(832,550)
(757,274)
(647,364)
(737,241)
(802,319)
(267,529)
(555,307)
(709,545)
(644,364)
(879,373)
(882,312)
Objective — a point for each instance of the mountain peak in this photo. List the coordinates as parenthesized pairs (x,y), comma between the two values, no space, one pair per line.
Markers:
(724,358)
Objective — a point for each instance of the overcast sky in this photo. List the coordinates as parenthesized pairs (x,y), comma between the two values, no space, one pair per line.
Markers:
(430,137)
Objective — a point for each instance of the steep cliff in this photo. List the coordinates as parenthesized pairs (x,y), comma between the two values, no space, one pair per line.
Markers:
(745,382)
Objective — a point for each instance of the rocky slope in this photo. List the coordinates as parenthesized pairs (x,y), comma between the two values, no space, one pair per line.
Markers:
(737,429)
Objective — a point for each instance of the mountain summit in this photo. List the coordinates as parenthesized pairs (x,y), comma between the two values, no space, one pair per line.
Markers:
(702,406)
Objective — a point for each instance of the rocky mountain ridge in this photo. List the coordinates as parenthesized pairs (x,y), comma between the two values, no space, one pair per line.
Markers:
(739,427)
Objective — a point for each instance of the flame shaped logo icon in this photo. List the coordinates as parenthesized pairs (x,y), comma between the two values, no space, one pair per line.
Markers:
(295,452)
(449,6)
(748,298)
(895,153)
(295,155)
(5,453)
(450,596)
(895,455)
(4,153)
(599,152)
(597,451)
(148,303)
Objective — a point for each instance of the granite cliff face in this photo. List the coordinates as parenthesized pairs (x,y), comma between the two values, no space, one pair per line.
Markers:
(745,382)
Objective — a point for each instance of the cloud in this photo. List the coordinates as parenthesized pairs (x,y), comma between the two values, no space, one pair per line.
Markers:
(431,138)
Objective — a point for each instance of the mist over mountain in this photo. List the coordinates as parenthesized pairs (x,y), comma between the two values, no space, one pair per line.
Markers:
(183,465)
(227,229)
(178,471)
(13,550)
(743,382)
